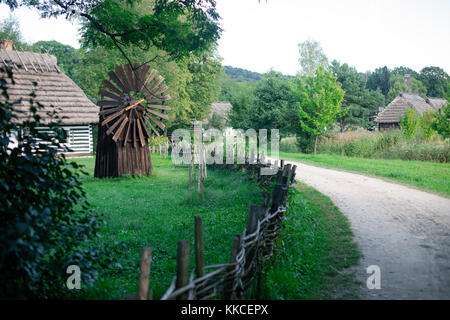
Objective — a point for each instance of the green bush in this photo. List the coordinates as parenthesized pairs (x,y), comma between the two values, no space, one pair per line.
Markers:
(45,221)
(409,123)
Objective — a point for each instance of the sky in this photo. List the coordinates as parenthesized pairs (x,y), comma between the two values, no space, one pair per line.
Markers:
(260,36)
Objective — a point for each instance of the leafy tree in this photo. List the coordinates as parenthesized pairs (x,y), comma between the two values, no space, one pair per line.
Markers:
(242,102)
(242,75)
(311,57)
(359,102)
(45,221)
(379,80)
(319,100)
(409,123)
(178,27)
(405,70)
(274,105)
(442,121)
(67,56)
(435,80)
(10,30)
(398,85)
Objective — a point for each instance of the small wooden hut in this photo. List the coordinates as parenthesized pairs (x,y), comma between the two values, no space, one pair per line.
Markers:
(55,91)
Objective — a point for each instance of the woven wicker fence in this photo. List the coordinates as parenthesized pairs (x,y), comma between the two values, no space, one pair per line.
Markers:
(230,281)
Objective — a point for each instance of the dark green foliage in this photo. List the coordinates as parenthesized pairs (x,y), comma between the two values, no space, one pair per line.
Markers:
(45,219)
(442,123)
(178,27)
(379,79)
(361,103)
(67,56)
(435,80)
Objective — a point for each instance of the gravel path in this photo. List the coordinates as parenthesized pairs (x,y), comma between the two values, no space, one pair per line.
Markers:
(404,231)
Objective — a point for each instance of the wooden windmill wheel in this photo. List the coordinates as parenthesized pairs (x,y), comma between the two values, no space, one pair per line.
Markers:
(132,108)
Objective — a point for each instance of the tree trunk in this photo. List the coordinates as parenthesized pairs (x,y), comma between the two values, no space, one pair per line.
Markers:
(315,144)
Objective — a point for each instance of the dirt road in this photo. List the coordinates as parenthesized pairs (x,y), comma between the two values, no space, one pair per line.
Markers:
(404,231)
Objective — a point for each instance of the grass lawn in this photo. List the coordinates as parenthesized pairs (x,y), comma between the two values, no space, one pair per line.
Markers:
(156,212)
(430,176)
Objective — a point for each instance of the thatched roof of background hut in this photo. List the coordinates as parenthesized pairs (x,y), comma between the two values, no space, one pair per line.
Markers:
(54,90)
(404,100)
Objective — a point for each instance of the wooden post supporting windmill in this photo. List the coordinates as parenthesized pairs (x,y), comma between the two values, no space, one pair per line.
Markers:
(132,104)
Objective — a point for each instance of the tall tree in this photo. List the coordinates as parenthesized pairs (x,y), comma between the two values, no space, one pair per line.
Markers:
(379,79)
(67,56)
(435,80)
(10,30)
(311,57)
(360,102)
(397,85)
(178,27)
(319,100)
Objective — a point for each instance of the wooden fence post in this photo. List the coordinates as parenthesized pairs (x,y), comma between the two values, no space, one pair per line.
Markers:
(229,283)
(146,257)
(277,197)
(182,267)
(199,247)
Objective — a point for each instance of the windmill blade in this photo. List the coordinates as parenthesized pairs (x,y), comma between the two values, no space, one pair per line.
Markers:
(119,131)
(111,129)
(141,134)
(106,93)
(157,82)
(142,72)
(123,78)
(158,123)
(127,135)
(161,90)
(112,117)
(111,87)
(108,103)
(134,134)
(145,128)
(109,111)
(115,78)
(130,76)
(161,106)
(159,114)
(158,99)
(150,78)
(152,127)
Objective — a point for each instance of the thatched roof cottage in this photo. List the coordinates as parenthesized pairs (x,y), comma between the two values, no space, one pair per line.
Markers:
(55,91)
(389,117)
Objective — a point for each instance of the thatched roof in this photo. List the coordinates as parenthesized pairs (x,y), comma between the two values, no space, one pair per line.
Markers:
(219,108)
(436,103)
(54,90)
(405,100)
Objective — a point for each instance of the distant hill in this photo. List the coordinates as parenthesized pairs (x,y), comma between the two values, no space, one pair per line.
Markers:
(243,75)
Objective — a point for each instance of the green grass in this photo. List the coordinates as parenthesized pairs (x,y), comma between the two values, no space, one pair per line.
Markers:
(156,212)
(430,176)
(313,253)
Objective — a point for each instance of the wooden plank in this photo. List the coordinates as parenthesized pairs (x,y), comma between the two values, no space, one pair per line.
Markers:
(112,117)
(182,267)
(108,103)
(108,111)
(113,76)
(152,127)
(159,114)
(228,285)
(111,129)
(155,84)
(141,134)
(144,277)
(106,93)
(199,247)
(158,123)
(161,107)
(145,127)
(110,86)
(158,99)
(151,76)
(123,78)
(160,90)
(130,76)
(119,131)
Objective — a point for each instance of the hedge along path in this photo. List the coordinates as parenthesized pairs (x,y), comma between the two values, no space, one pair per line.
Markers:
(250,249)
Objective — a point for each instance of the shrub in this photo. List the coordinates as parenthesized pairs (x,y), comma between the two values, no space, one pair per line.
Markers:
(409,123)
(289,144)
(426,124)
(44,220)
